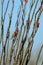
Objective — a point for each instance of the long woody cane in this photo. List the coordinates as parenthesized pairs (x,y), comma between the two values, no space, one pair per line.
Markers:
(6,9)
(23,15)
(40,8)
(28,23)
(34,30)
(16,25)
(29,48)
(8,32)
(20,50)
(19,34)
(15,33)
(37,24)
(42,45)
(4,18)
(39,54)
(7,36)
(2,24)
(23,24)
(17,22)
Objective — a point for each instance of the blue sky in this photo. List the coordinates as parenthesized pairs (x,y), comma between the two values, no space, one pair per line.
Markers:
(38,40)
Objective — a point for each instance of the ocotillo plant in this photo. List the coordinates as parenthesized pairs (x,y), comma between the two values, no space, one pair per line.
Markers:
(16,53)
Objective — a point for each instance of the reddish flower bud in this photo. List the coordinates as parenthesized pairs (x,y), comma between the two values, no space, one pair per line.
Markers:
(15,34)
(17,31)
(28,22)
(37,24)
(41,7)
(26,1)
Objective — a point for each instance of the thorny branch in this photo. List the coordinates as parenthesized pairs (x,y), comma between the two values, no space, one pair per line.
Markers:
(17,47)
